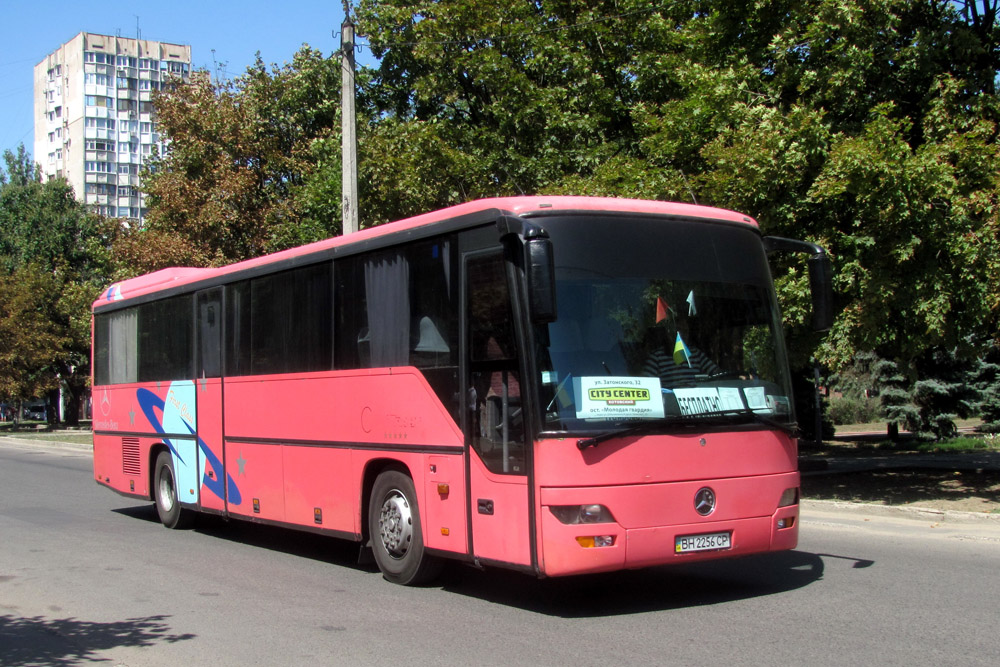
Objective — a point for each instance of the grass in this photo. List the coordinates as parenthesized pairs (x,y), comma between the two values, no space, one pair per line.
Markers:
(880,426)
(990,443)
(872,439)
(76,437)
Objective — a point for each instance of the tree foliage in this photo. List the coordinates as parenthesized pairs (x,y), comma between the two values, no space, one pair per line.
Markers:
(53,259)
(240,154)
(869,126)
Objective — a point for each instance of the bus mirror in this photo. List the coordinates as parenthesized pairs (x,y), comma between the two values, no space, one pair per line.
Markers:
(541,279)
(820,277)
(821,286)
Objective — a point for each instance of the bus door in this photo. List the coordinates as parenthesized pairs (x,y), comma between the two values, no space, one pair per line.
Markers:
(494,423)
(208,389)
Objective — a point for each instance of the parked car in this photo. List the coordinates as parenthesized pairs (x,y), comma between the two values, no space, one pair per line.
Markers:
(34,413)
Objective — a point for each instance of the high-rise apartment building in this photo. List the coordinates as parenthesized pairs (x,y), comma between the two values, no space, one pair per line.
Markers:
(94,121)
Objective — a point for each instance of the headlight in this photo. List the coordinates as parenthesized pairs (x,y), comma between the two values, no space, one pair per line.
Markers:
(575,514)
(789,497)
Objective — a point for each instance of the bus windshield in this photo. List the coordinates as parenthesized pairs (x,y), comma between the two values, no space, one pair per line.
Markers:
(660,322)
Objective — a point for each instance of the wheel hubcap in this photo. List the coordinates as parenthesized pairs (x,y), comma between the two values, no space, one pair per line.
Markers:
(166,492)
(395,524)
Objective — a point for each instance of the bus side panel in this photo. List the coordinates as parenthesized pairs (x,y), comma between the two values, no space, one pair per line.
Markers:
(290,437)
(442,511)
(500,521)
(122,463)
(393,406)
(213,473)
(129,420)
(443,508)
(258,474)
(318,488)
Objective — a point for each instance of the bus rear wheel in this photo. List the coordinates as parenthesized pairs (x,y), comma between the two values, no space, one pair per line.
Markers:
(396,532)
(168,507)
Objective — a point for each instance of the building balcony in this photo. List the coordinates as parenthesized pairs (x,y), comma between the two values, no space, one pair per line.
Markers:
(97,133)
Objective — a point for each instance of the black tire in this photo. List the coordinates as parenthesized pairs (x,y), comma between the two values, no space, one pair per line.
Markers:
(168,507)
(396,532)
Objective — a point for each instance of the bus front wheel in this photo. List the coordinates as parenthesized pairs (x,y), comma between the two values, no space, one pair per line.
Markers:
(396,533)
(168,507)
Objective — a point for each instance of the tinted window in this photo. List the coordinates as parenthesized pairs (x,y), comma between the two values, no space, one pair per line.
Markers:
(114,347)
(281,323)
(165,340)
(398,307)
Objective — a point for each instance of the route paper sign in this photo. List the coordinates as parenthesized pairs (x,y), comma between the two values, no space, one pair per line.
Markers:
(606,397)
(699,400)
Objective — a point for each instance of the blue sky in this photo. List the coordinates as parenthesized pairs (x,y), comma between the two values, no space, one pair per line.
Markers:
(30,29)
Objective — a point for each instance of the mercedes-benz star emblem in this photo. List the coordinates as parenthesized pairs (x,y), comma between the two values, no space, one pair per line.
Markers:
(704,501)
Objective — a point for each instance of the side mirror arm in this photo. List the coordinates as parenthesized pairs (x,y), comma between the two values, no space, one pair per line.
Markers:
(820,276)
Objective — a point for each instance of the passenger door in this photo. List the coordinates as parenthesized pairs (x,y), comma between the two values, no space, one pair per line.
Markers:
(208,389)
(493,422)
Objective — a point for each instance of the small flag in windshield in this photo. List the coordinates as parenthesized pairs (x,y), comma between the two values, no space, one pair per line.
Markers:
(682,354)
(661,309)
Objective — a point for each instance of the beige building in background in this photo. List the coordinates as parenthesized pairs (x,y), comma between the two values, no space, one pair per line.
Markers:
(94,121)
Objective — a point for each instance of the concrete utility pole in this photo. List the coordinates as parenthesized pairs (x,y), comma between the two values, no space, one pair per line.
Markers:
(349,141)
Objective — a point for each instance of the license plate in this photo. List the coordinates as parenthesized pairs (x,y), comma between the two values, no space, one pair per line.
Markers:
(707,542)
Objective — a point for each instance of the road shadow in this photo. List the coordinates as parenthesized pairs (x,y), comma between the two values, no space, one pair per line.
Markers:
(143,512)
(314,546)
(594,595)
(639,591)
(900,486)
(69,641)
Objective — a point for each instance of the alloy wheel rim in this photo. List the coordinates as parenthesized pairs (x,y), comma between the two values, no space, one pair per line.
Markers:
(395,524)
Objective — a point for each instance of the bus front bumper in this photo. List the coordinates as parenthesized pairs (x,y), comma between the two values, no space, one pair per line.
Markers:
(599,547)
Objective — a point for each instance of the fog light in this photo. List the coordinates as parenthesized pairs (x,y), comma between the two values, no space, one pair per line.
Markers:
(786,523)
(789,497)
(596,541)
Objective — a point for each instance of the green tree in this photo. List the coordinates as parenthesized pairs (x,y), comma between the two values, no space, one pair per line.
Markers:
(32,341)
(867,126)
(987,382)
(240,154)
(53,259)
(894,395)
(946,393)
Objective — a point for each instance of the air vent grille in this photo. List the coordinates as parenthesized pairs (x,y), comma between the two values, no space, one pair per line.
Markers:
(130,456)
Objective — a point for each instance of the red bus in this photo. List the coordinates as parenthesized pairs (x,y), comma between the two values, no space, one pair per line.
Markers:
(557,385)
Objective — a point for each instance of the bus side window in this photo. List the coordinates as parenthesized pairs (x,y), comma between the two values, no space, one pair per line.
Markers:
(209,334)
(397,307)
(497,424)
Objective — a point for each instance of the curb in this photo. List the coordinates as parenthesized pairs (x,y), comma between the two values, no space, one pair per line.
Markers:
(897,511)
(45,444)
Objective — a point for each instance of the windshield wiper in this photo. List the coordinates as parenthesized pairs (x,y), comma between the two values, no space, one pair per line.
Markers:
(688,420)
(791,429)
(641,427)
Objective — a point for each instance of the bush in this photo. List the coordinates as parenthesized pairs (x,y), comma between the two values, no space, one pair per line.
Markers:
(844,410)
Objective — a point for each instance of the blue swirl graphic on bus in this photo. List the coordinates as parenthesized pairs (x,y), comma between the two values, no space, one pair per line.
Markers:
(149,403)
(114,293)
(215,485)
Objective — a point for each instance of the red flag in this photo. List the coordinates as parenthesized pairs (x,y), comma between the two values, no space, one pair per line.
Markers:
(661,309)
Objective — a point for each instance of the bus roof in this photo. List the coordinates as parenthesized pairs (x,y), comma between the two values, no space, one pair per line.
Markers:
(517,206)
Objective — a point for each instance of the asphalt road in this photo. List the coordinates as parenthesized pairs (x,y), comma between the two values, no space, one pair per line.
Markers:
(88,576)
